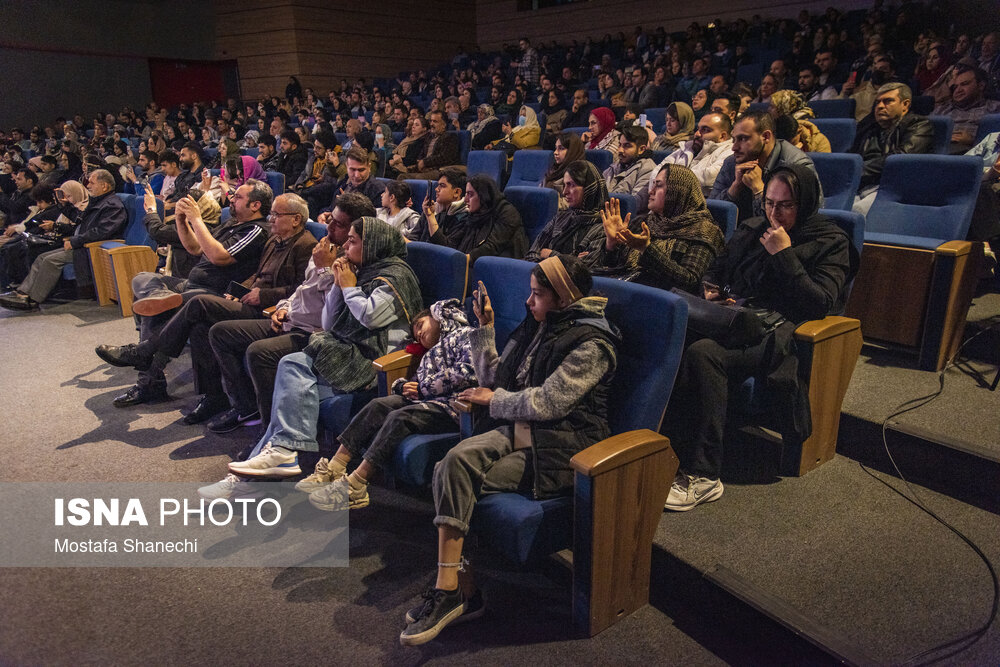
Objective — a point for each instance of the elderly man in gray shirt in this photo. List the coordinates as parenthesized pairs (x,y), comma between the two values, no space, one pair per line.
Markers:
(264,342)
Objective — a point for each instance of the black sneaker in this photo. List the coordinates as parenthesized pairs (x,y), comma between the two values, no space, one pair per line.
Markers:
(124,356)
(475,607)
(230,420)
(439,609)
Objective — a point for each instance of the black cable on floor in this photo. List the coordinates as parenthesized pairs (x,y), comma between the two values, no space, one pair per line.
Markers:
(965,641)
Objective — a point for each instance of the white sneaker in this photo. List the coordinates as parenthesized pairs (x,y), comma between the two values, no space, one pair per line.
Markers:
(268,463)
(321,476)
(231,486)
(338,495)
(687,492)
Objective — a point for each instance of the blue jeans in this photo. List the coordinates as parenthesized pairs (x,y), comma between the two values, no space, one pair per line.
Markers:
(298,391)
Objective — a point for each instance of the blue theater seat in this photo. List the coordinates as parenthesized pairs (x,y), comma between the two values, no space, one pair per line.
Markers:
(536,205)
(838,108)
(840,176)
(725,214)
(488,163)
(840,132)
(600,158)
(529,168)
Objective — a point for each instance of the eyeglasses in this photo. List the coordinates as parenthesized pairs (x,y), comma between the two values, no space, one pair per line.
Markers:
(780,205)
(275,215)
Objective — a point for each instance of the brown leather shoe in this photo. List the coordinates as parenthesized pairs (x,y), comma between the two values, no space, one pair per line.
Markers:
(154,305)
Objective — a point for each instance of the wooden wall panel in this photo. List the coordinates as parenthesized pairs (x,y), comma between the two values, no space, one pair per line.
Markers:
(499,22)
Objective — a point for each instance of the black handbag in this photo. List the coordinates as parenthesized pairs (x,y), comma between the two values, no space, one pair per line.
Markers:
(731,325)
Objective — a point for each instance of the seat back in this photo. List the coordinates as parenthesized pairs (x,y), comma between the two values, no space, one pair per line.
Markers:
(750,74)
(135,232)
(277,182)
(923,105)
(943,126)
(854,224)
(840,132)
(725,214)
(442,271)
(418,192)
(652,325)
(536,205)
(318,230)
(629,203)
(833,108)
(924,200)
(225,215)
(600,158)
(658,117)
(508,282)
(577,130)
(464,144)
(839,176)
(529,168)
(760,106)
(987,124)
(488,163)
(253,152)
(210,154)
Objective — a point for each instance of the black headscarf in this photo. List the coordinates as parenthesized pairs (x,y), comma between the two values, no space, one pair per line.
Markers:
(567,231)
(495,229)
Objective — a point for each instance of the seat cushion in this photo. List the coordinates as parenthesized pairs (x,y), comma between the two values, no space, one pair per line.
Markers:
(523,529)
(336,412)
(416,455)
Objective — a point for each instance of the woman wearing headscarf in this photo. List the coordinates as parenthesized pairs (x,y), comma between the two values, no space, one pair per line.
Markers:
(554,108)
(547,399)
(486,129)
(493,226)
(43,229)
(794,264)
(568,149)
(671,246)
(245,168)
(374,298)
(679,128)
(602,134)
(701,103)
(250,139)
(511,105)
(586,194)
(807,137)
(526,132)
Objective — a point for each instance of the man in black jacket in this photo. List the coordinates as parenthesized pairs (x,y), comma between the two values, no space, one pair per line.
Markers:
(579,114)
(293,158)
(890,129)
(17,202)
(104,218)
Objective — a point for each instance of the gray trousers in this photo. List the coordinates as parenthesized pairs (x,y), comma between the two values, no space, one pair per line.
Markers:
(45,273)
(379,428)
(475,467)
(146,284)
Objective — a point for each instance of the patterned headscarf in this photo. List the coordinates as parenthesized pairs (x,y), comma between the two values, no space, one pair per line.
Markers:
(791,103)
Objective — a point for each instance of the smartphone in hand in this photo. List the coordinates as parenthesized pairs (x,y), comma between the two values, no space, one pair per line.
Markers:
(482,297)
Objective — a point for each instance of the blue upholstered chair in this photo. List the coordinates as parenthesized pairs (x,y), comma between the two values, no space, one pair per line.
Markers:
(536,205)
(464,144)
(725,214)
(659,156)
(603,509)
(577,130)
(918,271)
(529,168)
(943,127)
(987,124)
(418,192)
(253,152)
(115,262)
(837,108)
(750,74)
(840,176)
(658,117)
(840,132)
(277,182)
(629,204)
(488,163)
(318,230)
(600,158)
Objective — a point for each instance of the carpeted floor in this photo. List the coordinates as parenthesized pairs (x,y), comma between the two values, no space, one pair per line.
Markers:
(837,544)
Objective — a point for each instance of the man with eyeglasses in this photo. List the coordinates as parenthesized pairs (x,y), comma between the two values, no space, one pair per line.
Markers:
(705,153)
(756,153)
(258,345)
(228,253)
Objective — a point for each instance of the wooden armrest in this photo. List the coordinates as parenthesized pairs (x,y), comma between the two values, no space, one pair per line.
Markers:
(394,361)
(617,451)
(270,311)
(954,248)
(462,406)
(98,244)
(816,331)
